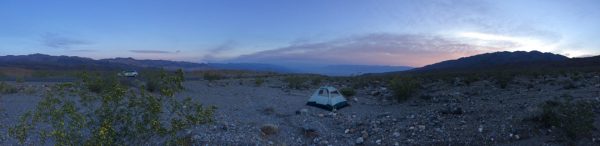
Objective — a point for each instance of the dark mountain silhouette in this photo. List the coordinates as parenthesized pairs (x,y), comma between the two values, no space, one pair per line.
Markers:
(165,64)
(497,60)
(41,61)
(346,70)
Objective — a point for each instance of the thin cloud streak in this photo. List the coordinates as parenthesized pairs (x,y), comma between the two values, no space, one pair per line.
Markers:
(56,41)
(152,51)
(372,49)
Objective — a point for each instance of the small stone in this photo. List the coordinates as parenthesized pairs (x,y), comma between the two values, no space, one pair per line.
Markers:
(480,129)
(517,137)
(378,142)
(271,143)
(196,138)
(422,127)
(365,134)
(396,144)
(346,131)
(396,134)
(321,115)
(360,140)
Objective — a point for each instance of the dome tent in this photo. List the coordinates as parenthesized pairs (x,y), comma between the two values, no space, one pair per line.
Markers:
(328,98)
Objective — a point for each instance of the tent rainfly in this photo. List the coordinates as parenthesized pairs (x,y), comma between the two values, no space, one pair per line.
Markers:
(328,98)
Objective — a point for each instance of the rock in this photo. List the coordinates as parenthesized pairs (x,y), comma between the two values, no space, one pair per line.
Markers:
(480,129)
(346,131)
(365,134)
(360,140)
(422,127)
(378,142)
(303,111)
(269,129)
(396,134)
(321,115)
(517,137)
(375,93)
(196,138)
(324,142)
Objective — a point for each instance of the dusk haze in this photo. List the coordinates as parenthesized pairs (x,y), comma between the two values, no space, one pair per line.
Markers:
(300,72)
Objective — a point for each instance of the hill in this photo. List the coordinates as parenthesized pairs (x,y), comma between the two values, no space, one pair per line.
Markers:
(497,60)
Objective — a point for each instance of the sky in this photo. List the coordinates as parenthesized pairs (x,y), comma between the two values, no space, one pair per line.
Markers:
(289,32)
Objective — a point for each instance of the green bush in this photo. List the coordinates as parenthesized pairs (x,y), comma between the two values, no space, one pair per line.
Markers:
(503,79)
(295,82)
(116,116)
(259,81)
(575,118)
(7,88)
(20,80)
(316,81)
(403,87)
(348,92)
(212,76)
(164,83)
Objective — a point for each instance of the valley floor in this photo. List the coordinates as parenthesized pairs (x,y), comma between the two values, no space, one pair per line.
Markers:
(442,114)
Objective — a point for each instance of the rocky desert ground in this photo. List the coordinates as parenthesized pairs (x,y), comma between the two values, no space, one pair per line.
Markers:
(442,112)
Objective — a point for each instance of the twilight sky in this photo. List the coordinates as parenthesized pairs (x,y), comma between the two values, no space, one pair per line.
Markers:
(370,32)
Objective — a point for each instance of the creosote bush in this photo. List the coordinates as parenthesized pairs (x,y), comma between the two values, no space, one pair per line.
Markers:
(348,92)
(295,82)
(403,87)
(212,76)
(576,118)
(165,83)
(118,115)
(259,81)
(7,88)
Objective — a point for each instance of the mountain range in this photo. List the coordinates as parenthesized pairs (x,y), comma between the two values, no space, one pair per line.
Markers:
(488,61)
(42,61)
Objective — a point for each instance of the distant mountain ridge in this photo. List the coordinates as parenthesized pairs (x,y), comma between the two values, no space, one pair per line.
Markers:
(348,70)
(497,59)
(42,61)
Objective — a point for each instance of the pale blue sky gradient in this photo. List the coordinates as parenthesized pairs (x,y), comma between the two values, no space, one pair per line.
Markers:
(267,30)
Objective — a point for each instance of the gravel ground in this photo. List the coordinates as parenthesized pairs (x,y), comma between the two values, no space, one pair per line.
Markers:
(441,114)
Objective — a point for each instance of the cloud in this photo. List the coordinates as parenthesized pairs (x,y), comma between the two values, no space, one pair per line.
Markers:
(53,40)
(153,51)
(215,53)
(382,48)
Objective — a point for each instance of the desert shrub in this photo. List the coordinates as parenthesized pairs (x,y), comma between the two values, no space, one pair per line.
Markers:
(259,81)
(316,81)
(97,83)
(20,79)
(503,79)
(575,118)
(468,79)
(7,88)
(211,76)
(348,92)
(164,83)
(403,87)
(117,116)
(568,85)
(295,82)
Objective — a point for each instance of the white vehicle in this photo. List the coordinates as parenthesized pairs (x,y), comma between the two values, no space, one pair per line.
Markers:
(129,74)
